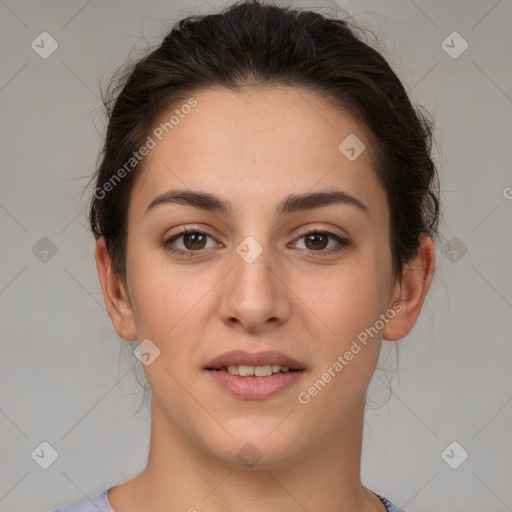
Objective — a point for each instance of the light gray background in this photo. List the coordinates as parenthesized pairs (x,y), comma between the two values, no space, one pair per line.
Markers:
(64,377)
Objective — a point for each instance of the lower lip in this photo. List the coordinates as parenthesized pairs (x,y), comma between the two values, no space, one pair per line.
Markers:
(255,388)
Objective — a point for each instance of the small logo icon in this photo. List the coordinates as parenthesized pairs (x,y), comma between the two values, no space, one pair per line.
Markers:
(249,249)
(45,455)
(454,455)
(454,249)
(507,192)
(352,146)
(454,45)
(249,455)
(44,250)
(146,352)
(44,45)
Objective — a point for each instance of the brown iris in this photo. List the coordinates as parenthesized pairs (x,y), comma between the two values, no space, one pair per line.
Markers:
(197,241)
(314,238)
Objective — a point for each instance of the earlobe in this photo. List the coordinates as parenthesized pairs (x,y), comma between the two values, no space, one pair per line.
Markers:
(114,293)
(411,291)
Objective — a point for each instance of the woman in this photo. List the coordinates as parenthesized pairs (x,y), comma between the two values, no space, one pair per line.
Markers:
(264,209)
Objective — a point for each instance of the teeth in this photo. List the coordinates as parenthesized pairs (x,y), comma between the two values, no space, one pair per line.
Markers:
(233,370)
(245,371)
(259,371)
(263,371)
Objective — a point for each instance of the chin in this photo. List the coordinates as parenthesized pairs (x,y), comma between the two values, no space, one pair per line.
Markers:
(258,447)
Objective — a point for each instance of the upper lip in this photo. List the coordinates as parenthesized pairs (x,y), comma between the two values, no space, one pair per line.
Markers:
(240,357)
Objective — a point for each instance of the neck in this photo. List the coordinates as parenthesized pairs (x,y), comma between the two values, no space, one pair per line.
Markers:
(182,475)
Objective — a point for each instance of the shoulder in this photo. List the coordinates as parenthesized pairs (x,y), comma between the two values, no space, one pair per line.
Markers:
(97,503)
(390,507)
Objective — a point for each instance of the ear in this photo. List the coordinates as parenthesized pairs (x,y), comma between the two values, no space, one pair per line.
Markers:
(114,294)
(410,291)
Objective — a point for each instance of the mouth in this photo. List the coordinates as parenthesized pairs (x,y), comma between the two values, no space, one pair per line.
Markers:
(253,363)
(255,371)
(253,376)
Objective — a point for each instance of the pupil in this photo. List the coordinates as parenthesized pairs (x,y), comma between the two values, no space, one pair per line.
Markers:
(193,237)
(314,238)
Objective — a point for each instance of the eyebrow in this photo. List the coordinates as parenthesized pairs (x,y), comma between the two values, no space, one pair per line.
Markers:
(292,203)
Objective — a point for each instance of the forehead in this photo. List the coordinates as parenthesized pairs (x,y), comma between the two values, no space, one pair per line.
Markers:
(256,143)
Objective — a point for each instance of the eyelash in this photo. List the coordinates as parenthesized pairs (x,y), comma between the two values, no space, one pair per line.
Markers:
(343,242)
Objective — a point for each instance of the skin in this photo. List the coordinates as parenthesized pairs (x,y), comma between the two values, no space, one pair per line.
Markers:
(255,147)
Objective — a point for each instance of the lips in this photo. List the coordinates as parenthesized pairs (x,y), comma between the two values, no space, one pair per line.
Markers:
(243,358)
(254,376)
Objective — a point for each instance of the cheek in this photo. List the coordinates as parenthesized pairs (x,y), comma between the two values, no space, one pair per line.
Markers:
(349,306)
(168,300)
(346,299)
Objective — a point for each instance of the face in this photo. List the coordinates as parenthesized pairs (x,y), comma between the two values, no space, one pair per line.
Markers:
(249,278)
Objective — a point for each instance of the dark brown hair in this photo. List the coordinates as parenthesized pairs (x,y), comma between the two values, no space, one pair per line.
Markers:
(249,45)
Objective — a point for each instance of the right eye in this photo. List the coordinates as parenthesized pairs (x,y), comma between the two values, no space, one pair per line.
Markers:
(193,242)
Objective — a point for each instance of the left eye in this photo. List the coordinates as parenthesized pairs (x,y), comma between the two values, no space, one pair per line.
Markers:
(317,241)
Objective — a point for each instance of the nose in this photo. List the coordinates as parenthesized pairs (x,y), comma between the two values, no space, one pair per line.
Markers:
(255,296)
